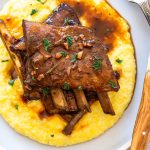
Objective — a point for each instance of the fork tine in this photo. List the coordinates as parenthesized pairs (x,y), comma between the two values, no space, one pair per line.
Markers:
(131,1)
(137,1)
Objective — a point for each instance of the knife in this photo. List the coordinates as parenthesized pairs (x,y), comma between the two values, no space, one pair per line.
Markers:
(141,133)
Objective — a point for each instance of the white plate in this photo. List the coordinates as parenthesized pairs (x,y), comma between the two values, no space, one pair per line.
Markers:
(119,136)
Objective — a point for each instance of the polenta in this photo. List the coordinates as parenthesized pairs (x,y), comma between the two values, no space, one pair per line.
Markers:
(23,117)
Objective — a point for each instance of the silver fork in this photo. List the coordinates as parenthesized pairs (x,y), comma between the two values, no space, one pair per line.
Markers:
(145,5)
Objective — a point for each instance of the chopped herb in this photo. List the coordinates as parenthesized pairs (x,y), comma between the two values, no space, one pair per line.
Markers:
(33,78)
(79,87)
(45,91)
(42,1)
(68,21)
(5,60)
(55,10)
(11,82)
(16,106)
(97,64)
(64,54)
(34,11)
(113,84)
(74,58)
(52,135)
(119,61)
(46,44)
(69,40)
(66,86)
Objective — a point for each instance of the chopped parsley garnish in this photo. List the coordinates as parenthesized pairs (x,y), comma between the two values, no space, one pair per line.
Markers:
(55,10)
(63,53)
(46,44)
(113,84)
(119,61)
(5,60)
(33,78)
(97,64)
(42,1)
(66,86)
(34,11)
(69,40)
(74,58)
(16,106)
(45,91)
(52,135)
(80,87)
(11,82)
(68,21)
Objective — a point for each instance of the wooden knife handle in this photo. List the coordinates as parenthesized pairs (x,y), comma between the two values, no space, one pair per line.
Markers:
(141,134)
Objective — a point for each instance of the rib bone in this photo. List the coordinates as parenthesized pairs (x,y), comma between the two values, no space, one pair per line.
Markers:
(68,129)
(59,99)
(81,100)
(8,40)
(49,106)
(105,103)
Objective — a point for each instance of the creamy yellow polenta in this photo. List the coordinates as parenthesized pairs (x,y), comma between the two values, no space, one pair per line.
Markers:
(24,117)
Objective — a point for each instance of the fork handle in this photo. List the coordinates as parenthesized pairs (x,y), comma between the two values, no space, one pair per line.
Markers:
(146,9)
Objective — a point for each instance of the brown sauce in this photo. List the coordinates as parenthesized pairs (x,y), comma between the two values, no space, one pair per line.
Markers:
(24,99)
(104,27)
(43,114)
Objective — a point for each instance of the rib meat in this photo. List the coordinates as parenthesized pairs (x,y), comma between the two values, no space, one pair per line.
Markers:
(57,18)
(50,71)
